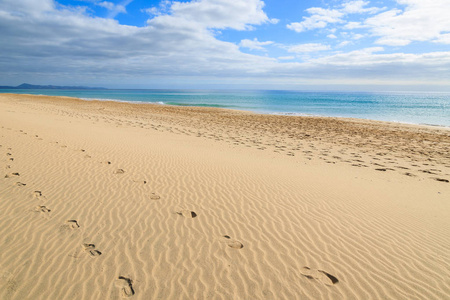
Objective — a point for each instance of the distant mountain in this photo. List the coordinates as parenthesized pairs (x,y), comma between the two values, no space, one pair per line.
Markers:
(25,86)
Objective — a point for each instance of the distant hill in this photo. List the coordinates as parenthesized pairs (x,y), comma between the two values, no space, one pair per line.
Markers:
(25,86)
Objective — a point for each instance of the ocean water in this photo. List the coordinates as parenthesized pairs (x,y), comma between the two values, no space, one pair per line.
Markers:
(414,108)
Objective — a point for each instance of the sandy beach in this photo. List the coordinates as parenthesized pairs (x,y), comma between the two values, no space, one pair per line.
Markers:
(107,200)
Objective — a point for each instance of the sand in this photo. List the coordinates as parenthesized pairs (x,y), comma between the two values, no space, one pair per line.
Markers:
(104,200)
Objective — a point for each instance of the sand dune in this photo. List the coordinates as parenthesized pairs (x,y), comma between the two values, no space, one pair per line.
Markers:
(102,200)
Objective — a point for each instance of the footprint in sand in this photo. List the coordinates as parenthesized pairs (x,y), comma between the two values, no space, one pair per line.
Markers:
(38,195)
(90,248)
(20,184)
(73,224)
(10,175)
(125,285)
(154,196)
(441,179)
(410,174)
(187,213)
(119,171)
(232,243)
(42,209)
(319,275)
(140,181)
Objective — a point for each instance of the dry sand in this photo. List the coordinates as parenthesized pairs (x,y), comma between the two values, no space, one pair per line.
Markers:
(103,200)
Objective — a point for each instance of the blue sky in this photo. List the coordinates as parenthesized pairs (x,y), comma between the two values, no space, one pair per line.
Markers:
(284,44)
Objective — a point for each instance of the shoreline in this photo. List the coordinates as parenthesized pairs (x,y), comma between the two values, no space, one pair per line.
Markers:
(344,134)
(246,110)
(108,200)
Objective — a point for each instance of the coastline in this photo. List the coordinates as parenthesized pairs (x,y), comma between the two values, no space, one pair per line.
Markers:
(291,114)
(285,206)
(407,108)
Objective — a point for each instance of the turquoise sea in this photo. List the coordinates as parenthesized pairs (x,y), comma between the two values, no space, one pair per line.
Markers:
(415,108)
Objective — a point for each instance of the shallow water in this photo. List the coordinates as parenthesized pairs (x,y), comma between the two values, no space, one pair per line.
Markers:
(415,108)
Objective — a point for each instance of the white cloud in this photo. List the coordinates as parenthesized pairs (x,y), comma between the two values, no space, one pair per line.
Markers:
(370,58)
(419,21)
(370,65)
(331,36)
(443,39)
(62,42)
(353,25)
(107,5)
(221,14)
(357,36)
(254,44)
(321,17)
(311,47)
(343,44)
(30,7)
(358,7)
(120,8)
(43,41)
(286,57)
(113,8)
(358,57)
(162,8)
(153,11)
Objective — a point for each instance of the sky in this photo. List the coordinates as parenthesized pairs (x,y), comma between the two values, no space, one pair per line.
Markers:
(249,44)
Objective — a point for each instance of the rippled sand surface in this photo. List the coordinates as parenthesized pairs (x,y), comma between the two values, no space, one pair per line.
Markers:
(104,200)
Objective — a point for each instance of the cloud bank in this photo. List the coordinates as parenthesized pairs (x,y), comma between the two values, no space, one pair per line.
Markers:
(44,42)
